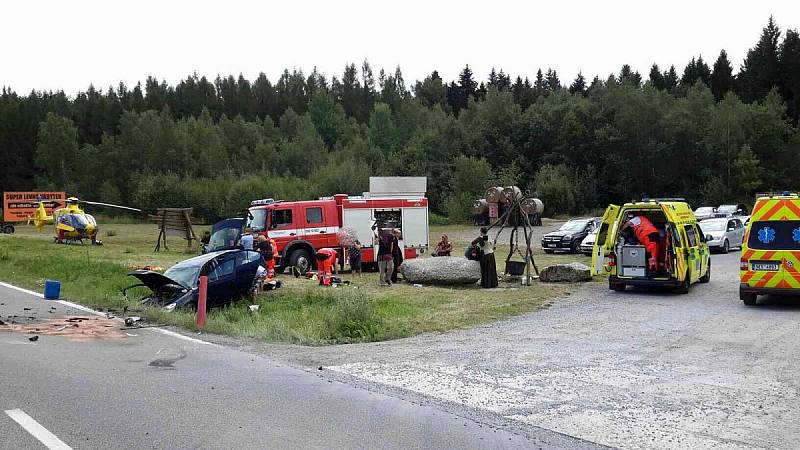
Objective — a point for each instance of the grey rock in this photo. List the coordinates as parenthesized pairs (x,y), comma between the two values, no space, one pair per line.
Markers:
(441,270)
(572,273)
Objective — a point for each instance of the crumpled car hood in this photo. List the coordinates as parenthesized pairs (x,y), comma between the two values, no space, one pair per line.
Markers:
(154,280)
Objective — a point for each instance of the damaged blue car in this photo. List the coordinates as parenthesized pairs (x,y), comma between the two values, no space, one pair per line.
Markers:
(230,273)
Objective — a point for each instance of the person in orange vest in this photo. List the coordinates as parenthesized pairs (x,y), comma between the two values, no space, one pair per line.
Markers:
(326,259)
(271,262)
(647,234)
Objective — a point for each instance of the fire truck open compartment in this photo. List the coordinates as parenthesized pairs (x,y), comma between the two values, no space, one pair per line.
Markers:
(631,256)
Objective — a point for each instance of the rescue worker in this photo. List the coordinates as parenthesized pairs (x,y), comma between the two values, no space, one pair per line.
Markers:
(326,260)
(647,234)
(271,262)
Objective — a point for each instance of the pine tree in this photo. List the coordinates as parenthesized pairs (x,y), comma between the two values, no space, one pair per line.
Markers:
(579,85)
(503,81)
(492,79)
(671,80)
(368,89)
(551,82)
(790,73)
(539,86)
(760,71)
(722,77)
(657,78)
(431,90)
(628,77)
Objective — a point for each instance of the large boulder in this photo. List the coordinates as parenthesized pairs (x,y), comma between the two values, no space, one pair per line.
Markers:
(441,270)
(572,272)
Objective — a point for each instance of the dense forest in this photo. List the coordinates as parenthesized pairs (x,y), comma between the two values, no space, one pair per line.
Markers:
(704,133)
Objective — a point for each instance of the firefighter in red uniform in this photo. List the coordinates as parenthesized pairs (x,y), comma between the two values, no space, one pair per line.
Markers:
(647,234)
(326,259)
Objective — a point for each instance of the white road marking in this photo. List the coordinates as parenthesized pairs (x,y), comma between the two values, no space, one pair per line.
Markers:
(92,311)
(185,338)
(11,286)
(36,430)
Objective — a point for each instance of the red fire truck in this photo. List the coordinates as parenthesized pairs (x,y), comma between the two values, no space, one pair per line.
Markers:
(301,228)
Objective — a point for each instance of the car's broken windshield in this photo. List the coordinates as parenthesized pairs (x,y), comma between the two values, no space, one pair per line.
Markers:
(185,275)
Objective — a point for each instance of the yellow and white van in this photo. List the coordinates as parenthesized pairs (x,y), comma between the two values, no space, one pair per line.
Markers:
(770,261)
(684,257)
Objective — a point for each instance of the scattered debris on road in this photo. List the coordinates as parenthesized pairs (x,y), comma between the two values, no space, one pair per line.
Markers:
(33,338)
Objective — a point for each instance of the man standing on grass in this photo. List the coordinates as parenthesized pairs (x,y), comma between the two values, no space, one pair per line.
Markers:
(385,258)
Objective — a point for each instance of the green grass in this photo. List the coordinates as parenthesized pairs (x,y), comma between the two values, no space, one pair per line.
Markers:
(300,312)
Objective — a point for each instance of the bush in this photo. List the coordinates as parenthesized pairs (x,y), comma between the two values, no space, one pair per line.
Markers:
(555,188)
(436,219)
(353,317)
(458,207)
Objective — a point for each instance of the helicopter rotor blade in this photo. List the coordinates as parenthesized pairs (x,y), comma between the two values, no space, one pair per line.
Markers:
(109,205)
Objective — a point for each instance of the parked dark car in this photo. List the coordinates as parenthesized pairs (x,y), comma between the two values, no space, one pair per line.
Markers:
(568,238)
(230,276)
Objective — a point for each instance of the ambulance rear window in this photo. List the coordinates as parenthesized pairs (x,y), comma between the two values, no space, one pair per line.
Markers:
(775,235)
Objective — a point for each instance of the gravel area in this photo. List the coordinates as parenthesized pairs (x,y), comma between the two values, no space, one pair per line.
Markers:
(639,369)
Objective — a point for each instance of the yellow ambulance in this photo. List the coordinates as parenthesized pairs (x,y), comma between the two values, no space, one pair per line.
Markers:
(683,255)
(770,260)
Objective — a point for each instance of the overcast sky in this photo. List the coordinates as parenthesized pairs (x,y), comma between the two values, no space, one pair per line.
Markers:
(70,44)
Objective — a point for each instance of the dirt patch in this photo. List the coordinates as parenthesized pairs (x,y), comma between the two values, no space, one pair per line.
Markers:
(74,328)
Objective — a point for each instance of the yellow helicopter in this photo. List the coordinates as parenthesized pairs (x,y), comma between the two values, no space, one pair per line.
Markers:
(72,224)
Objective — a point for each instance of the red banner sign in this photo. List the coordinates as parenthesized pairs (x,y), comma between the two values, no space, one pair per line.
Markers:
(18,206)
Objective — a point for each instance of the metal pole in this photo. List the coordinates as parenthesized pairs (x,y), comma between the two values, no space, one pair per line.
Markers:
(201,302)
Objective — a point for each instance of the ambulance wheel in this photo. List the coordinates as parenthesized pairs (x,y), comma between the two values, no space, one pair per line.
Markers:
(8,229)
(725,246)
(300,259)
(748,298)
(684,287)
(707,277)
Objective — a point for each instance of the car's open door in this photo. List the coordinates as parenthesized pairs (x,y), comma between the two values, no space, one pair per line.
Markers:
(605,239)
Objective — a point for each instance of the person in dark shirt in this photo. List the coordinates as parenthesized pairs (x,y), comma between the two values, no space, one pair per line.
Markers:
(397,253)
(385,258)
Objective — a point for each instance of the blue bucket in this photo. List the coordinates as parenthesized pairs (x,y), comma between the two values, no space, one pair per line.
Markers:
(52,289)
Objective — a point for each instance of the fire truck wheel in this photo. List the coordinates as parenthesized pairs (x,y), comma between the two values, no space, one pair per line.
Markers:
(300,259)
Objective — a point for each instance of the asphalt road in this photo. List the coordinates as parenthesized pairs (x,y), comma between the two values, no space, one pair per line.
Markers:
(141,389)
(639,369)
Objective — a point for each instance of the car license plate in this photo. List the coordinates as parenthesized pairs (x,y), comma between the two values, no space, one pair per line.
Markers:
(551,245)
(769,266)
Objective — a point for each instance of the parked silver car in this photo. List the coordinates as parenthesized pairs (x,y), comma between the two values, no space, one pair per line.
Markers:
(587,244)
(723,233)
(704,212)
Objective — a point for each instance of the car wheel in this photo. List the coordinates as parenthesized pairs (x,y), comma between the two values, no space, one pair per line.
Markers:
(725,246)
(575,247)
(707,277)
(300,259)
(747,298)
(619,287)
(684,287)
(8,229)
(549,252)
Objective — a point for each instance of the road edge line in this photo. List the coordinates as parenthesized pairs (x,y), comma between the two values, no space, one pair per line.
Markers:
(98,313)
(37,430)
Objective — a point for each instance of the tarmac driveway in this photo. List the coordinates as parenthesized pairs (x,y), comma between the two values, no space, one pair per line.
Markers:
(639,369)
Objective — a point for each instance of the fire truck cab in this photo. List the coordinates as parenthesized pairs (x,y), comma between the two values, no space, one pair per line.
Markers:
(300,228)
